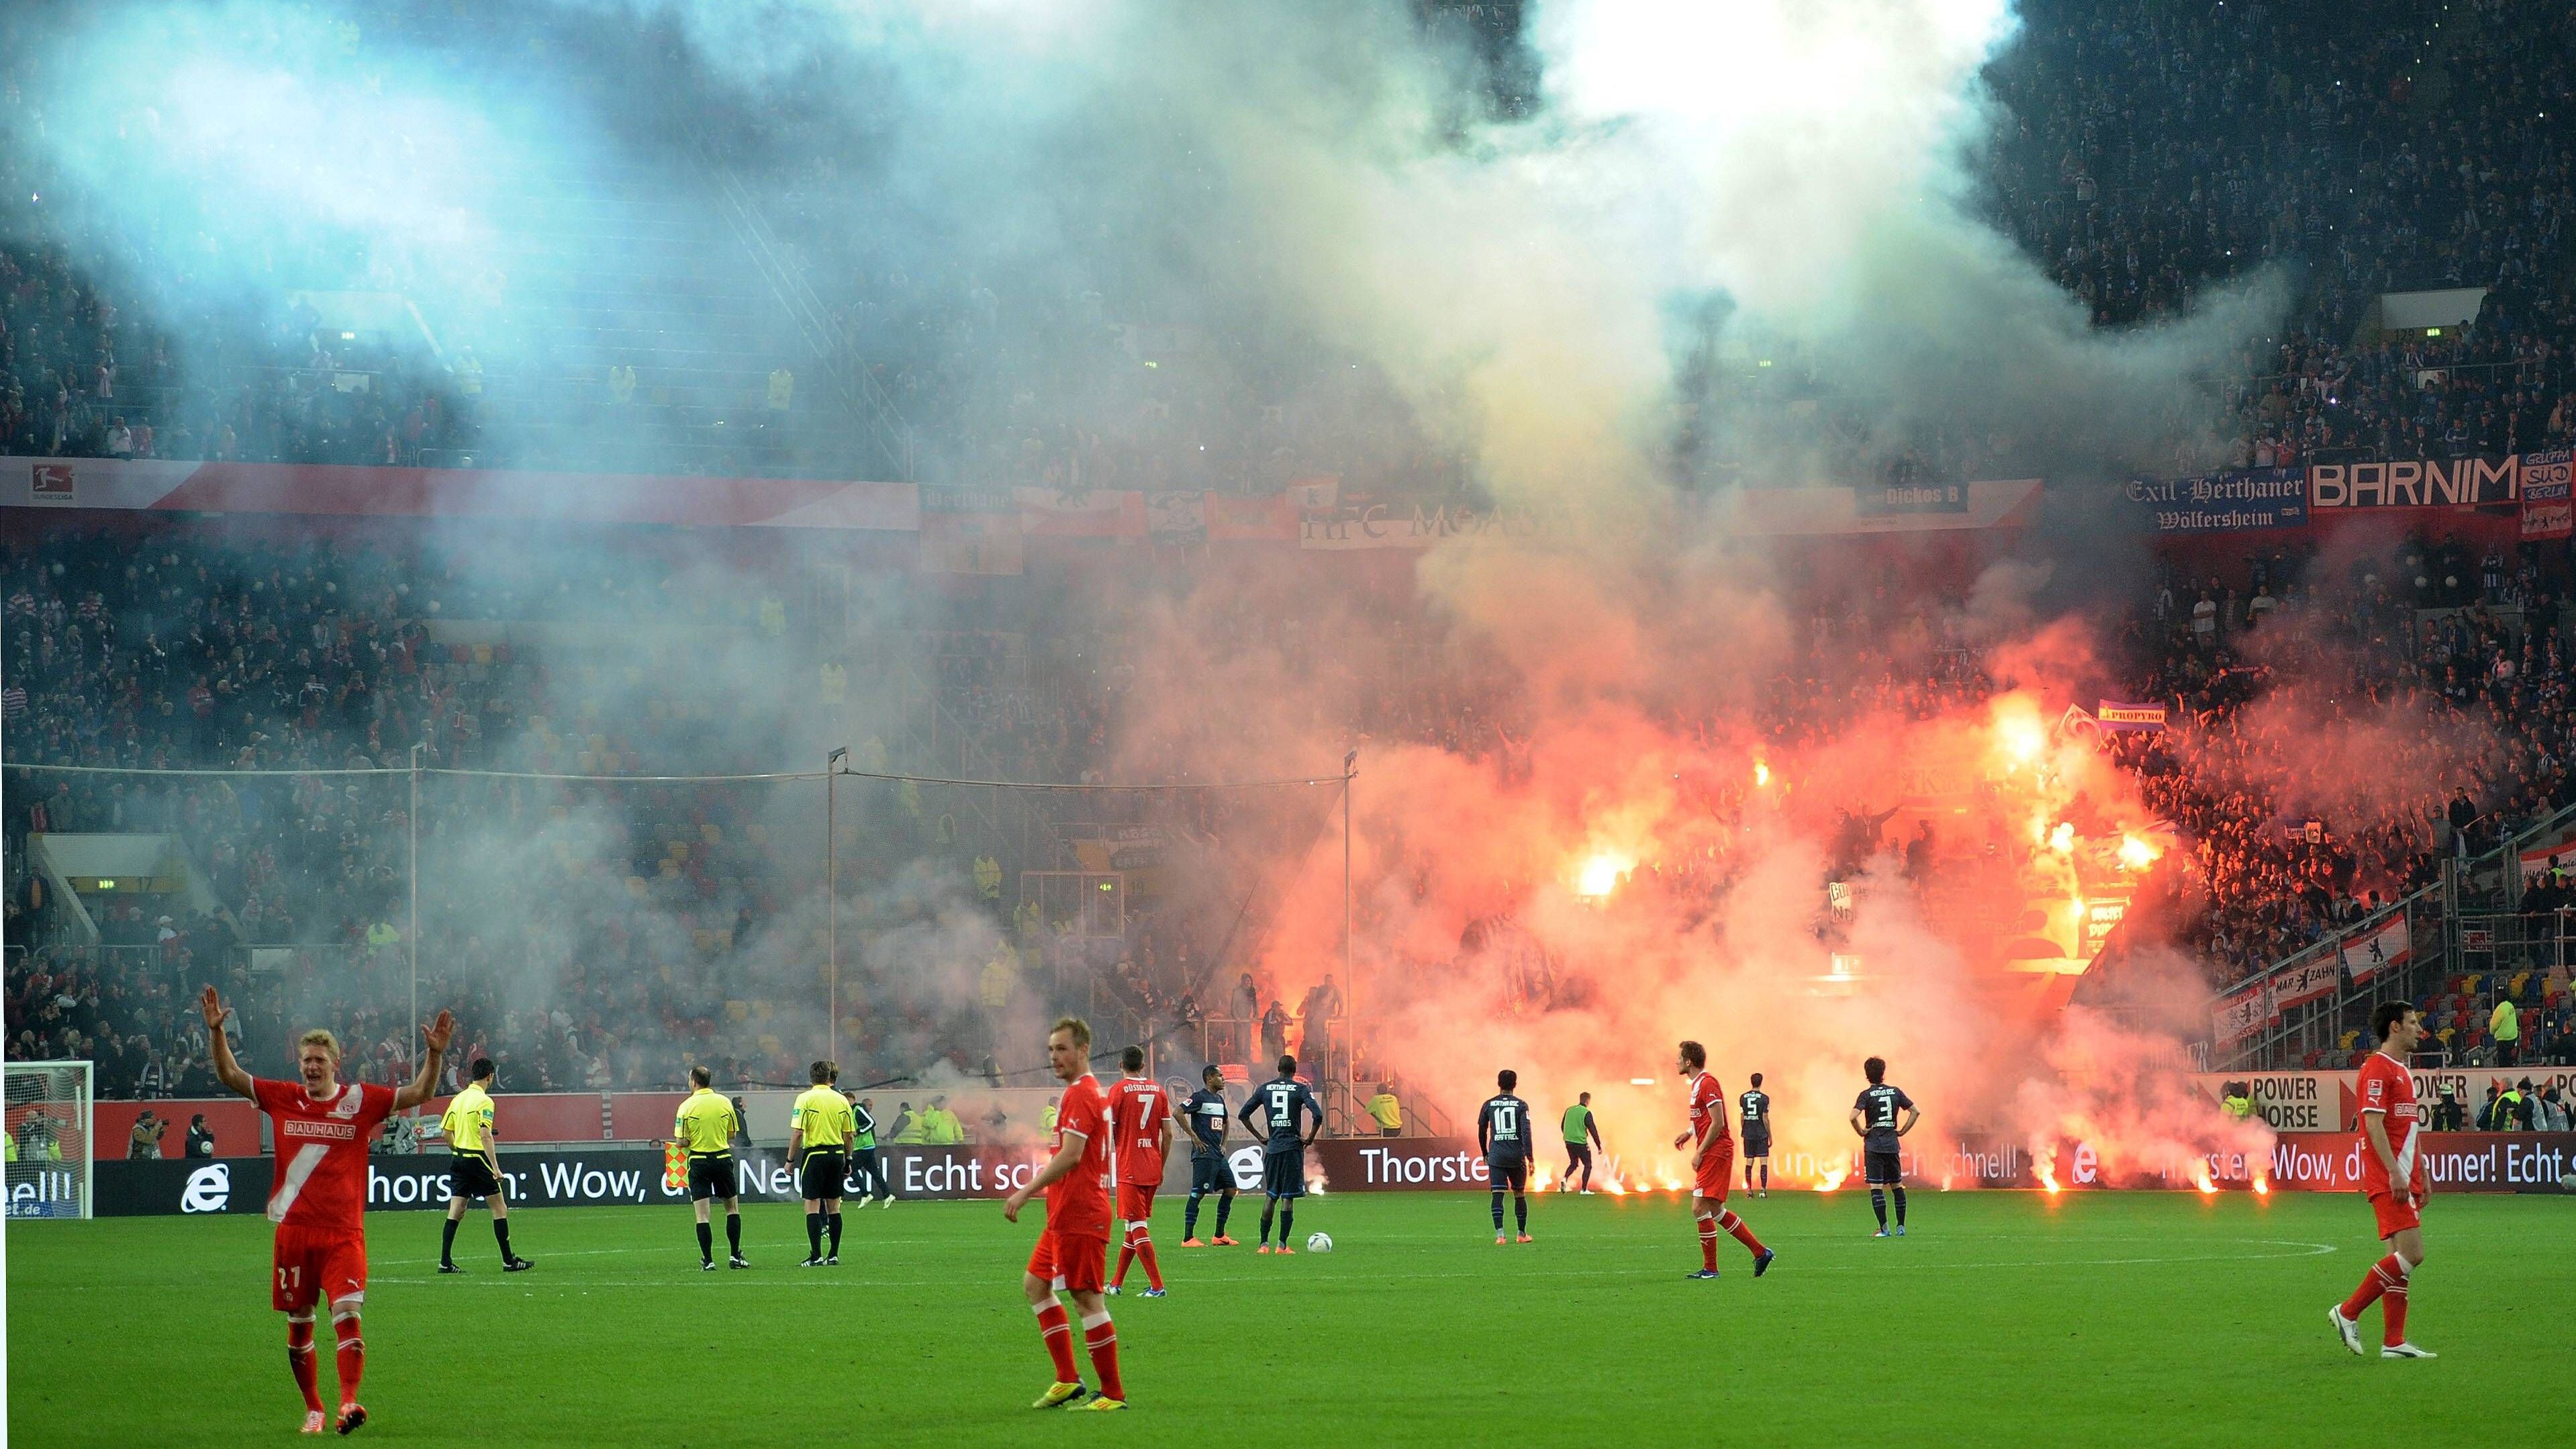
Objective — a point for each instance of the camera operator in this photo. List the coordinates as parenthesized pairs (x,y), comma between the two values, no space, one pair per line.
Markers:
(145,1144)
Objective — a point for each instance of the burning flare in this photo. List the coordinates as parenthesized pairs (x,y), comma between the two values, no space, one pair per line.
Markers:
(2137,852)
(1601,873)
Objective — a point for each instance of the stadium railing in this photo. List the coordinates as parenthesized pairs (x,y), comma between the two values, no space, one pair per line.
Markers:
(2480,895)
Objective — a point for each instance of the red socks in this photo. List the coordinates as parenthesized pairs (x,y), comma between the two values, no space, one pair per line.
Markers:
(353,1356)
(1153,1270)
(1058,1328)
(1708,1244)
(2384,1284)
(1139,1244)
(299,1357)
(1743,1234)
(1126,1255)
(1101,1337)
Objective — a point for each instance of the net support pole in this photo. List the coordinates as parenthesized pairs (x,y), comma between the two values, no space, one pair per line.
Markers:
(832,902)
(411,930)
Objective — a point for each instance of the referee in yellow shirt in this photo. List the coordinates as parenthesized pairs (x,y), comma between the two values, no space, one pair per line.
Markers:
(475,1169)
(821,1124)
(705,1127)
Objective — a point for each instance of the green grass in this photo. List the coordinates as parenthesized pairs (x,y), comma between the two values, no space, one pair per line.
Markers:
(2005,1318)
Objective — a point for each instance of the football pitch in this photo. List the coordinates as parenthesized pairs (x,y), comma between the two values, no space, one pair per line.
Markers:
(2004,1318)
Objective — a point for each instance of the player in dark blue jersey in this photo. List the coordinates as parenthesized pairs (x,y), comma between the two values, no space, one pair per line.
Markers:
(1208,1119)
(1503,1135)
(1874,1117)
(1753,1113)
(1274,1112)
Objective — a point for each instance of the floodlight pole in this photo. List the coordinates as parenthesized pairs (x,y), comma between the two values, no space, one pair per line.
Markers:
(411,936)
(832,768)
(1350,771)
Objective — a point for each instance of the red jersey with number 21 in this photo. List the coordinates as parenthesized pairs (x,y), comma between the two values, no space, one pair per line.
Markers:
(1707,1107)
(1078,1202)
(321,1184)
(1139,1107)
(2386,1086)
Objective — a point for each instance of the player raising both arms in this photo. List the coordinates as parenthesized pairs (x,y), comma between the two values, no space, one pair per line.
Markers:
(1712,1165)
(2392,1174)
(1140,1115)
(321,1126)
(1503,1137)
(1209,1119)
(1074,1250)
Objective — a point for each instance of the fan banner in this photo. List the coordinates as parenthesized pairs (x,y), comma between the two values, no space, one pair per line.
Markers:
(2367,953)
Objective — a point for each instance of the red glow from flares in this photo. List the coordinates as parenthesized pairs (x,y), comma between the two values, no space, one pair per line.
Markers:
(1601,873)
(1829,1178)
(2201,1179)
(2137,852)
(2262,1188)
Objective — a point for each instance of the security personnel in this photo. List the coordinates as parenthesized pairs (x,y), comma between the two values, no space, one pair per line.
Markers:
(1388,1113)
(2239,1102)
(821,1124)
(474,1169)
(705,1127)
(864,1153)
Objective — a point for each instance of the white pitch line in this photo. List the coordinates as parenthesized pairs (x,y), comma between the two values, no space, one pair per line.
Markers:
(826,1278)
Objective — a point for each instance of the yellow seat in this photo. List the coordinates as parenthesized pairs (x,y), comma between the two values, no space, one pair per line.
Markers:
(711,833)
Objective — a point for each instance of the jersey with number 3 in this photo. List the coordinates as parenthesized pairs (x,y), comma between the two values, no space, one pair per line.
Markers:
(1137,1111)
(321,1153)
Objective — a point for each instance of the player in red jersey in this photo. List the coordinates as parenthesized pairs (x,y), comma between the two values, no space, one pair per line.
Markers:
(321,1126)
(2392,1173)
(1140,1117)
(1712,1164)
(1074,1250)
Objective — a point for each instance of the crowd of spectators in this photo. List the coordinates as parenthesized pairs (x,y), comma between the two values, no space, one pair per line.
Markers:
(2149,153)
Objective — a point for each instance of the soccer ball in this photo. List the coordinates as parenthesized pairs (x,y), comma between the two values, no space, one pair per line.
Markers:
(1319,1242)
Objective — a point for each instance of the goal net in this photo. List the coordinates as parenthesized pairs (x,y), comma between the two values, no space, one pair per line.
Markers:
(49,1139)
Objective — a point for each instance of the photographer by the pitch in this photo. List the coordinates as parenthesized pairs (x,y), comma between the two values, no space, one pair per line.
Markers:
(145,1144)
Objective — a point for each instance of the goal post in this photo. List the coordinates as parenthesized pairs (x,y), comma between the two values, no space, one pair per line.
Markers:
(48,1148)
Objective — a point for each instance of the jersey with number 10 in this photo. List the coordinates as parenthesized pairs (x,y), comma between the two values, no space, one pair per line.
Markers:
(1138,1110)
(1504,1127)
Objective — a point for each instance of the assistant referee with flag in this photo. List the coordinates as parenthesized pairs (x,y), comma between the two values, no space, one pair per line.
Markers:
(821,1125)
(705,1126)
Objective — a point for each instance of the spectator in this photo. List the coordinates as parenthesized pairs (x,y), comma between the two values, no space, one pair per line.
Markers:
(201,1138)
